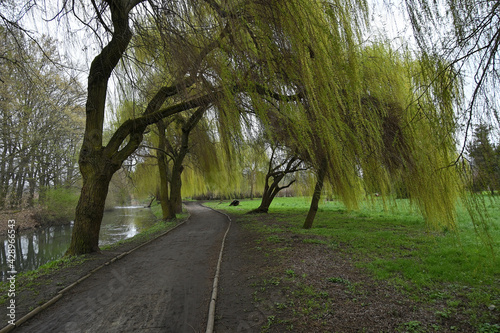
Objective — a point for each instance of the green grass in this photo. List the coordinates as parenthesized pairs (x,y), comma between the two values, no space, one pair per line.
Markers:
(394,244)
(28,280)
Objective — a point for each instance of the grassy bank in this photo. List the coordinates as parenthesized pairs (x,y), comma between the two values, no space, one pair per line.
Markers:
(456,269)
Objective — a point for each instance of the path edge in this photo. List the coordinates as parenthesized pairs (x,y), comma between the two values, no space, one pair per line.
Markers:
(211,309)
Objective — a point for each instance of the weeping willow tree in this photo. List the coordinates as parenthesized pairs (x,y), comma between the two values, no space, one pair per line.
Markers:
(172,136)
(99,160)
(371,133)
(405,131)
(299,56)
(280,168)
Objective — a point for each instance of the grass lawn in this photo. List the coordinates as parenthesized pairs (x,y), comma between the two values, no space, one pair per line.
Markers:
(395,245)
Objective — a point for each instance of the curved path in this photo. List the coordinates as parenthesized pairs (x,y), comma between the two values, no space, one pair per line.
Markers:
(165,286)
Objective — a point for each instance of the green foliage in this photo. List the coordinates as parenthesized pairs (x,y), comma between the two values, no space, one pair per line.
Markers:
(413,326)
(119,193)
(300,69)
(59,204)
(290,273)
(489,328)
(339,280)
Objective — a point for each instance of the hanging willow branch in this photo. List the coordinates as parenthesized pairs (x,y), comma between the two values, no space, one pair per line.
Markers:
(356,114)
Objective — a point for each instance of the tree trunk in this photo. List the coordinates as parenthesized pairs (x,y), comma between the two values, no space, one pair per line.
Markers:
(151,202)
(315,199)
(164,195)
(252,180)
(21,181)
(163,171)
(90,209)
(32,186)
(270,192)
(176,189)
(174,200)
(98,163)
(10,178)
(267,199)
(3,179)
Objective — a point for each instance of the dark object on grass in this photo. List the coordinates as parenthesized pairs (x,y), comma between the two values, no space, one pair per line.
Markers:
(234,203)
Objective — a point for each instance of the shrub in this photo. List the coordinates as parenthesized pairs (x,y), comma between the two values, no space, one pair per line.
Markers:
(58,205)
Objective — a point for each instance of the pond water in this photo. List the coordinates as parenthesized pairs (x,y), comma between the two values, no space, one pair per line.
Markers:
(35,248)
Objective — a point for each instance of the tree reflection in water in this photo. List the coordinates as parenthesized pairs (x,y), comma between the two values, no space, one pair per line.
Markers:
(35,248)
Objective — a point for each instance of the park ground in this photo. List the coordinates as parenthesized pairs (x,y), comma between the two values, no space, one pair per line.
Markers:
(278,278)
(376,270)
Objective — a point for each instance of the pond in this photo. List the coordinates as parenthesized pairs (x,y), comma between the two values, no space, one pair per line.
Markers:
(37,247)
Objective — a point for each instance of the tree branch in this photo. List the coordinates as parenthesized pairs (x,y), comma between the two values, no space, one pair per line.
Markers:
(137,126)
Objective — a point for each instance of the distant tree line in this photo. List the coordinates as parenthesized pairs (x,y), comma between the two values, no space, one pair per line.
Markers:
(41,119)
(485,160)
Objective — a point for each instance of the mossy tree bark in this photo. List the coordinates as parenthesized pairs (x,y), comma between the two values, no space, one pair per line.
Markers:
(162,158)
(175,201)
(90,208)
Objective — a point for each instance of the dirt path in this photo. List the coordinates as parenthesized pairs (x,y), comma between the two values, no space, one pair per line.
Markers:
(164,286)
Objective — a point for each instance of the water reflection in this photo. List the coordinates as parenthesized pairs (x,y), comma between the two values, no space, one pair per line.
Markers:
(37,247)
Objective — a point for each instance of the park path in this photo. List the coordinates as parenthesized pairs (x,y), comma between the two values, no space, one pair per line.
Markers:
(165,286)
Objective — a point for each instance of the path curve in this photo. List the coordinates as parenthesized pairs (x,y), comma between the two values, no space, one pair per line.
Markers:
(165,286)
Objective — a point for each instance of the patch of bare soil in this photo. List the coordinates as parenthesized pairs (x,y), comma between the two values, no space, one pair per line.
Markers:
(284,282)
